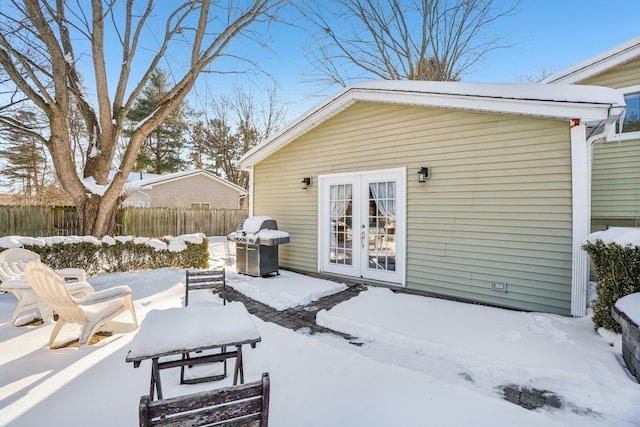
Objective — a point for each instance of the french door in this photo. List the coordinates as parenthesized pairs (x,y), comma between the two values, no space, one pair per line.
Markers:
(362,223)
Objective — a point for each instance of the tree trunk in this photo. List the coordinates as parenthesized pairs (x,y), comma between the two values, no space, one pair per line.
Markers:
(46,73)
(97,216)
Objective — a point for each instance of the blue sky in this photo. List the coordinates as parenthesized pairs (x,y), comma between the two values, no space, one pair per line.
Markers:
(545,33)
(558,34)
(553,34)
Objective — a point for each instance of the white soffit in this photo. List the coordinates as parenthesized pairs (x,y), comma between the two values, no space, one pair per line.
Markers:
(587,103)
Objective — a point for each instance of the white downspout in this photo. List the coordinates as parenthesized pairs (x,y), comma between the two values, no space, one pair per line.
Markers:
(581,160)
(251,169)
(581,215)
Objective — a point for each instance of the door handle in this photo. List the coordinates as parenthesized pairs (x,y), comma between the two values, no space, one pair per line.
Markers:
(362,238)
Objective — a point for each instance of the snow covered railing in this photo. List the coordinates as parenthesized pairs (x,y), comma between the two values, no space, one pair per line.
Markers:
(117,253)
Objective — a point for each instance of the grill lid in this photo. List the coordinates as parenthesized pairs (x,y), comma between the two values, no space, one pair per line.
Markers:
(273,237)
(253,224)
(261,230)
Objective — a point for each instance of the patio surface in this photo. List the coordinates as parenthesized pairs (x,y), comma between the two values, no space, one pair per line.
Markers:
(301,317)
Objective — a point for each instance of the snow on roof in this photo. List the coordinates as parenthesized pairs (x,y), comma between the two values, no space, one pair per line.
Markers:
(504,91)
(135,176)
(598,64)
(591,104)
(132,186)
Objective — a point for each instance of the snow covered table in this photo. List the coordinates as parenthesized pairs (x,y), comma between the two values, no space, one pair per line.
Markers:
(197,327)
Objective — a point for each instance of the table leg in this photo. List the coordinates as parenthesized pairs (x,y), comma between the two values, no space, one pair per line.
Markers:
(224,350)
(155,378)
(238,369)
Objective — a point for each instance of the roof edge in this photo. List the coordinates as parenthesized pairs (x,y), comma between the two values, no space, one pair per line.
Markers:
(597,64)
(149,183)
(587,103)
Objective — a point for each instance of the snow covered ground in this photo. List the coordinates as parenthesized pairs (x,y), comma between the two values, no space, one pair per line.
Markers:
(422,362)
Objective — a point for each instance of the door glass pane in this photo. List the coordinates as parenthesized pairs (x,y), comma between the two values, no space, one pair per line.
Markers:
(382,225)
(341,224)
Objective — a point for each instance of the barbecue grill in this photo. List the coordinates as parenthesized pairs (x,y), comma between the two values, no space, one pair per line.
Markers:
(257,239)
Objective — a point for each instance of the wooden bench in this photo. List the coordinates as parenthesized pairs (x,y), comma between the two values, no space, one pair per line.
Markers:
(208,279)
(243,405)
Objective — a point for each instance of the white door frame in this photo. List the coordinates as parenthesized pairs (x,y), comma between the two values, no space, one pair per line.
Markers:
(360,180)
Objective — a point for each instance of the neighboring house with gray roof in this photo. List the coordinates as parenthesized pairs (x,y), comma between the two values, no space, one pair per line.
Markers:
(616,159)
(188,189)
(478,192)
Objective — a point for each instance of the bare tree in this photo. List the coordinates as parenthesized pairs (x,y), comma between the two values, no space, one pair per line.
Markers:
(400,39)
(237,122)
(265,112)
(78,135)
(541,74)
(48,48)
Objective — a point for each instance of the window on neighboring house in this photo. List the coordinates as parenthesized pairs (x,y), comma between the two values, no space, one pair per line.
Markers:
(632,117)
(199,205)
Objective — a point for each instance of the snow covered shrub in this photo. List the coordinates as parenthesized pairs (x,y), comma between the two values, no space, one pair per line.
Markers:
(617,275)
(126,255)
(65,255)
(120,253)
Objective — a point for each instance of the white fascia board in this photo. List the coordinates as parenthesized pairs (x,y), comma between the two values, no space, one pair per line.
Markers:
(161,179)
(568,102)
(307,121)
(588,112)
(597,64)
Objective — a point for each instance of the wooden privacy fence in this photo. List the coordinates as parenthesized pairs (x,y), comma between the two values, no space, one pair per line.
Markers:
(40,221)
(176,221)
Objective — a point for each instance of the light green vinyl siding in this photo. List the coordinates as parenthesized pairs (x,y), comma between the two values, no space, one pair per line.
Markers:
(497,208)
(615,188)
(622,76)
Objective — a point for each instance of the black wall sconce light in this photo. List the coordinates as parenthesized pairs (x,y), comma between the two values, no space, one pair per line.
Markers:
(424,174)
(306,182)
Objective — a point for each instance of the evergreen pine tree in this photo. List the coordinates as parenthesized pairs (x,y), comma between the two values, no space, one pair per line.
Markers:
(25,163)
(160,152)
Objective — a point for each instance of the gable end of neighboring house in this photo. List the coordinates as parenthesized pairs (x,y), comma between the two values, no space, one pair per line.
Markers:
(191,189)
(499,219)
(616,158)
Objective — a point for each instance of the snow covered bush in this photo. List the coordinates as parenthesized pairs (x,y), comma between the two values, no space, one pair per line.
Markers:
(617,268)
(119,253)
(68,254)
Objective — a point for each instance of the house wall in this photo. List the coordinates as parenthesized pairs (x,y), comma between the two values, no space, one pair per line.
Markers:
(497,208)
(193,189)
(623,75)
(615,190)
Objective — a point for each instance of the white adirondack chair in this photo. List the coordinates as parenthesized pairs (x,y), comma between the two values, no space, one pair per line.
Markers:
(14,260)
(92,311)
(12,264)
